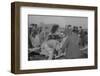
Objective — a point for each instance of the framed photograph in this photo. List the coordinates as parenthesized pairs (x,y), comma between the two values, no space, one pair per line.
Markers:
(52,37)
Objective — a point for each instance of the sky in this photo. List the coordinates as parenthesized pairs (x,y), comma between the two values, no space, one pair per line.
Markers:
(61,20)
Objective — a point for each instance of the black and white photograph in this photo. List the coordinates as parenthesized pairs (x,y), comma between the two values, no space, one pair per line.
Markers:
(57,37)
(53,37)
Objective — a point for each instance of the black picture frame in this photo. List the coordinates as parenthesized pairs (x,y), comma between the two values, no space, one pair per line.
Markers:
(15,37)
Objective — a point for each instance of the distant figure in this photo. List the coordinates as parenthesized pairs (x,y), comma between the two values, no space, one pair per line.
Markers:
(85,38)
(81,33)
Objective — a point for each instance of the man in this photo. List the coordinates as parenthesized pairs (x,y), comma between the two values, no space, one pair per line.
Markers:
(71,45)
(67,32)
(81,33)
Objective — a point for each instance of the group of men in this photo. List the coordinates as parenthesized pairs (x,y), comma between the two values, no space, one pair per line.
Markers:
(53,43)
